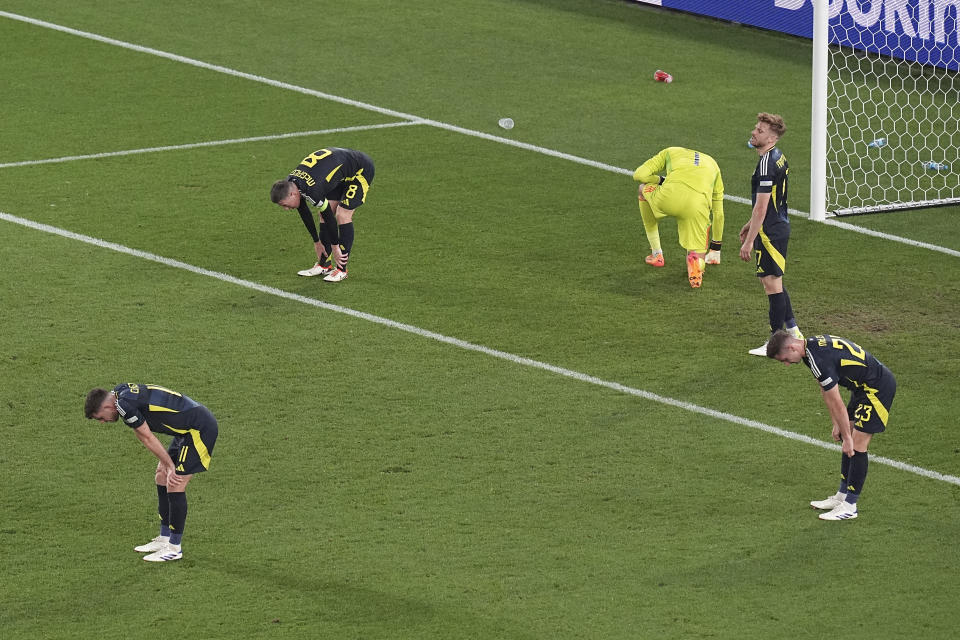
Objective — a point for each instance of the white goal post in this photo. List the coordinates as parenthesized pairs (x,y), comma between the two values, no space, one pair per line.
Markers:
(885,125)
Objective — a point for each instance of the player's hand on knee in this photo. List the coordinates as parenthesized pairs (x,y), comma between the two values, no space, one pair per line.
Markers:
(173,480)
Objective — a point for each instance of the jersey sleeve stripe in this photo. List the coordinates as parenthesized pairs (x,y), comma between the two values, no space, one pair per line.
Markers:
(813,366)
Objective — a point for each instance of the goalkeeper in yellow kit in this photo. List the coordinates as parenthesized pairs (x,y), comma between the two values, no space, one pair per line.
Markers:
(686,185)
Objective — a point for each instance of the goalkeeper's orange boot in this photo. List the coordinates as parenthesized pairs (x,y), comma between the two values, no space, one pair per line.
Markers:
(694,270)
(654,260)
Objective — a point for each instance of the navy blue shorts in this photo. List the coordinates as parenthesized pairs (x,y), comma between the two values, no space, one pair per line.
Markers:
(352,192)
(771,254)
(191,451)
(869,412)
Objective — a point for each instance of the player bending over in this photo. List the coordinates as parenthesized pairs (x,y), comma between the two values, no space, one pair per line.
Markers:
(149,409)
(838,361)
(686,185)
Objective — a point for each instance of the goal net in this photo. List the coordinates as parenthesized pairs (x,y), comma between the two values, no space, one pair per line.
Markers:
(892,105)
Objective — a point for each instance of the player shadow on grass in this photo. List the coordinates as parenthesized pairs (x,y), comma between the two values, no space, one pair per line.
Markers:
(321,601)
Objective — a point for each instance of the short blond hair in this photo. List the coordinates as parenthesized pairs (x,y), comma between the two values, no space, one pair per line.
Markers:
(774,121)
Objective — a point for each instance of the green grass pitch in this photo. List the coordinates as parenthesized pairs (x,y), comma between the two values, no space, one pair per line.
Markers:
(483,454)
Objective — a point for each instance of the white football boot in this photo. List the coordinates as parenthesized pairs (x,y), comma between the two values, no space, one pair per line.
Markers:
(828,504)
(843,511)
(154,545)
(316,270)
(759,351)
(166,554)
(336,276)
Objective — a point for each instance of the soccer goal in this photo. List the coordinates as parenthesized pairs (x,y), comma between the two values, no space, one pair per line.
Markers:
(886,106)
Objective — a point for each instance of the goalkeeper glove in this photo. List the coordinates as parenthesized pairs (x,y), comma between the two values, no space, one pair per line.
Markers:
(713,255)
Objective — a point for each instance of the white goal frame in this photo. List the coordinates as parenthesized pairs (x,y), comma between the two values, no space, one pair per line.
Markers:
(825,142)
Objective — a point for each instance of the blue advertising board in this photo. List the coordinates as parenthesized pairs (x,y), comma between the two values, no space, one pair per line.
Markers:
(924,31)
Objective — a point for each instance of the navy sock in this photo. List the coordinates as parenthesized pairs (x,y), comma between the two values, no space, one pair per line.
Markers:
(778,310)
(178,515)
(788,316)
(346,240)
(858,475)
(163,509)
(844,473)
(327,245)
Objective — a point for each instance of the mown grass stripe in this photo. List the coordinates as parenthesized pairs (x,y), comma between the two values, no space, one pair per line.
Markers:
(469,346)
(418,120)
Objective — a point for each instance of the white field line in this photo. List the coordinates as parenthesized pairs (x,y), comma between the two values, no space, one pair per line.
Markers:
(468,346)
(211,143)
(204,65)
(886,236)
(416,119)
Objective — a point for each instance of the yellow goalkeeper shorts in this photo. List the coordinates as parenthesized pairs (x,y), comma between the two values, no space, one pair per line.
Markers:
(689,207)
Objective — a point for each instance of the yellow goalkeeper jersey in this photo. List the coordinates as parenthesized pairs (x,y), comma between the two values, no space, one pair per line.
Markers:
(695,169)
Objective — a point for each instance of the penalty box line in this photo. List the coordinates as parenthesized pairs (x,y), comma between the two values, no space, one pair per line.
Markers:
(468,346)
(433,123)
(211,143)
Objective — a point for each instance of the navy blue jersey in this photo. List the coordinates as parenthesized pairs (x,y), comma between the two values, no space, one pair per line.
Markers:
(322,173)
(770,176)
(834,360)
(165,411)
